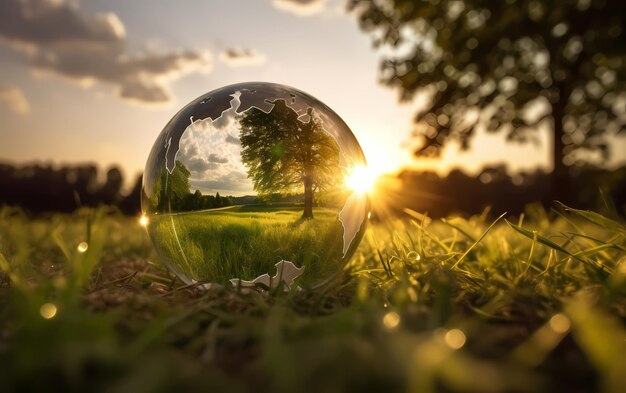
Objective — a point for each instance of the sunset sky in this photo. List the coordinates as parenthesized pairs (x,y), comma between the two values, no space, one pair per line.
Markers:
(97,80)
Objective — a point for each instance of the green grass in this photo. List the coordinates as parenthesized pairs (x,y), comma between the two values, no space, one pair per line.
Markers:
(534,303)
(247,241)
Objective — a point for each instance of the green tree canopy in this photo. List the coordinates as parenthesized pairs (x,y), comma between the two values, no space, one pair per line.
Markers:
(171,189)
(284,154)
(508,65)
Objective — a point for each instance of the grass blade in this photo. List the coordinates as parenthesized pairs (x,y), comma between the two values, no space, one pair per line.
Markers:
(478,241)
(549,243)
(543,240)
(594,218)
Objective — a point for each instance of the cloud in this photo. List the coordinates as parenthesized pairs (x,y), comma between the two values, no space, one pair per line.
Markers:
(143,92)
(217,159)
(58,38)
(212,153)
(190,155)
(241,57)
(300,7)
(232,139)
(14,99)
(49,22)
(189,147)
(199,165)
(234,181)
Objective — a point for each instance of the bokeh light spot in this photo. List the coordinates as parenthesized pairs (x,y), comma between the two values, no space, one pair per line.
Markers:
(455,338)
(48,310)
(391,320)
(559,323)
(82,247)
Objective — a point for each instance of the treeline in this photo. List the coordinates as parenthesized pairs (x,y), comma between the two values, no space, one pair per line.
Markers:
(197,201)
(172,192)
(458,192)
(41,188)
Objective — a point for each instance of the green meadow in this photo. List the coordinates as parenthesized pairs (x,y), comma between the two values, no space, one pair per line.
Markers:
(247,241)
(529,303)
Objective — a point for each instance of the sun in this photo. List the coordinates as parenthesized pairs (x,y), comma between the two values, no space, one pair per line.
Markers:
(360,179)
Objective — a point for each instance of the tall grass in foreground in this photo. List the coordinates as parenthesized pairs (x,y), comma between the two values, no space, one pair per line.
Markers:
(530,303)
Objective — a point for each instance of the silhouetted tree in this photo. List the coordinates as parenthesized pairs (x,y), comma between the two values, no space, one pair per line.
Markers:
(284,154)
(196,200)
(508,65)
(130,203)
(110,191)
(218,200)
(39,188)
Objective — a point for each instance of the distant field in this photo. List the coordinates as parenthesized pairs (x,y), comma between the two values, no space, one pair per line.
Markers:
(248,240)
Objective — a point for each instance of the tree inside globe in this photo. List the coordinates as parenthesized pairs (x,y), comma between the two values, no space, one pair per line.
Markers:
(255,184)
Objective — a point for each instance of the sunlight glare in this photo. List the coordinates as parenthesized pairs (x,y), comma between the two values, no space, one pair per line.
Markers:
(360,179)
(143,221)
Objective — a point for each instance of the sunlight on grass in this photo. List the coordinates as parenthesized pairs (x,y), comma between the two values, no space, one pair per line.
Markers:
(461,304)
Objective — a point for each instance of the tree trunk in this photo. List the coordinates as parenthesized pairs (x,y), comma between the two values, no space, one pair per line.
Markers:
(308,197)
(560,182)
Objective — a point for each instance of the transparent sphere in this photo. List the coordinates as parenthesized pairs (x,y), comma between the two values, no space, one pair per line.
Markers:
(255,183)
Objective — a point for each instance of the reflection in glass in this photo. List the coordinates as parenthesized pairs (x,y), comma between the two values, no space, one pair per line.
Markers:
(250,175)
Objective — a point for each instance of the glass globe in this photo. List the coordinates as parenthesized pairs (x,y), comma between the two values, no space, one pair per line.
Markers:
(256,184)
